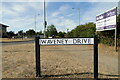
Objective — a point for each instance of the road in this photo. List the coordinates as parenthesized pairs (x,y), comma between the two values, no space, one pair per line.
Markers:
(17,42)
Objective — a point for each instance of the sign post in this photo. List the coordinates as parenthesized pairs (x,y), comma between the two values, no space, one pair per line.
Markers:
(116,32)
(95,57)
(67,41)
(37,50)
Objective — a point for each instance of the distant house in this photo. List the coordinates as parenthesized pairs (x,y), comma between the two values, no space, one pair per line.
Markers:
(3,30)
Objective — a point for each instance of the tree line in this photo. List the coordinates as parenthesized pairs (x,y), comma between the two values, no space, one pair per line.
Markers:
(21,33)
(84,30)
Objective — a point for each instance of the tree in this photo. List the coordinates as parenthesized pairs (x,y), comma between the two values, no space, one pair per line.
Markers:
(61,34)
(30,32)
(20,33)
(118,18)
(51,31)
(86,30)
(39,33)
(10,34)
(69,34)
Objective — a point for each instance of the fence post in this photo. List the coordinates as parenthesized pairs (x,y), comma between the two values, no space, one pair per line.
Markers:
(37,56)
(95,57)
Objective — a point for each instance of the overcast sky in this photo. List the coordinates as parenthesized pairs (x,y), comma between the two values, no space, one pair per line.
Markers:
(21,15)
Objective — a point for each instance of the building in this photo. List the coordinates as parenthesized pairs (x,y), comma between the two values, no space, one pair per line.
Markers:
(3,30)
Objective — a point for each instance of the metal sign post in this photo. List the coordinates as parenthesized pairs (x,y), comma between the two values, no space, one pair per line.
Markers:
(116,32)
(37,51)
(67,41)
(95,57)
(116,39)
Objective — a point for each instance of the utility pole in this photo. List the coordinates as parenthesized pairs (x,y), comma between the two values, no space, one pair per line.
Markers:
(67,30)
(45,22)
(36,20)
(79,15)
(35,23)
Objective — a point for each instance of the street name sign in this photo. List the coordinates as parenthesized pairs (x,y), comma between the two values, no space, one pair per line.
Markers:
(66,41)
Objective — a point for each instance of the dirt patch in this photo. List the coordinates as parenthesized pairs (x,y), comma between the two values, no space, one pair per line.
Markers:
(75,61)
(18,61)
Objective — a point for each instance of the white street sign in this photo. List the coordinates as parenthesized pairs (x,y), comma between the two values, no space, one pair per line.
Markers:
(67,41)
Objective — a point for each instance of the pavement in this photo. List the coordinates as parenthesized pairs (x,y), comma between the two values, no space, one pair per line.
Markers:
(16,42)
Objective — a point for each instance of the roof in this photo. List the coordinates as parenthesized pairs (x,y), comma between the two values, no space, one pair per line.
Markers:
(2,25)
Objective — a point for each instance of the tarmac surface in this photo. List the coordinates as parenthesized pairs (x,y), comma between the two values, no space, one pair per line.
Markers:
(17,42)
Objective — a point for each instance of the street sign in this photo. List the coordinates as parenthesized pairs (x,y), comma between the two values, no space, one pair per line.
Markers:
(107,20)
(67,41)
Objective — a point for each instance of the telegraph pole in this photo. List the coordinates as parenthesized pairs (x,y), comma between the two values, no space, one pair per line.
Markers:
(45,22)
(79,15)
(35,22)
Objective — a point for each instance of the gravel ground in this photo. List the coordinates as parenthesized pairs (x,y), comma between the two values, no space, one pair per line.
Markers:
(68,61)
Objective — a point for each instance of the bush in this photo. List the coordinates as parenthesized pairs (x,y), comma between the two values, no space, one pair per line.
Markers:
(89,29)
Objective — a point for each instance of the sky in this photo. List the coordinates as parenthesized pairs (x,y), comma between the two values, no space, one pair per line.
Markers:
(21,15)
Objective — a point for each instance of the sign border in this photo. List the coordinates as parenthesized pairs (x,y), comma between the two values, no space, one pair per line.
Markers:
(66,44)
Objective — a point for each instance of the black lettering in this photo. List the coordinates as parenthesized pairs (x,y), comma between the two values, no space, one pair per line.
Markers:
(66,40)
(79,41)
(59,41)
(85,40)
(50,42)
(43,41)
(88,40)
(54,41)
(74,41)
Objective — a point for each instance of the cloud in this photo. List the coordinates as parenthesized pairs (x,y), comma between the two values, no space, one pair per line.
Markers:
(37,5)
(21,15)
(69,15)
(64,7)
(18,8)
(60,0)
(0,12)
(55,14)
(62,23)
(67,24)
(23,23)
(61,10)
(16,23)
(8,10)
(90,14)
